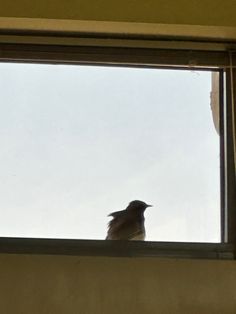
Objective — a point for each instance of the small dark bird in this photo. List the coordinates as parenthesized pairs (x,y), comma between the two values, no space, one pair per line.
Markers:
(128,224)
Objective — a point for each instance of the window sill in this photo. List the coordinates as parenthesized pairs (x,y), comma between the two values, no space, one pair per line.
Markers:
(116,248)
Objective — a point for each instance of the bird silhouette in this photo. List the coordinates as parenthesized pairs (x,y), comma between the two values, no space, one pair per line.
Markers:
(128,224)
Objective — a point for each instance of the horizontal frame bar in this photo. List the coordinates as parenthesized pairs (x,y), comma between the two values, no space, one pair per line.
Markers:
(68,27)
(139,57)
(116,248)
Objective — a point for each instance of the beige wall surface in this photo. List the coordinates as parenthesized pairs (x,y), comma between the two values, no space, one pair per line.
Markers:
(88,285)
(193,12)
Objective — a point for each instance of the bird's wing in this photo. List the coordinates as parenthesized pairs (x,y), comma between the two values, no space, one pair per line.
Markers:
(124,227)
(117,214)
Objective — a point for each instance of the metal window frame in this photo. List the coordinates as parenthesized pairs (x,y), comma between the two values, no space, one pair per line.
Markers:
(138,55)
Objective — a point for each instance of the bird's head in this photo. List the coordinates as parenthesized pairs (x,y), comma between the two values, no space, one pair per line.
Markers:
(137,206)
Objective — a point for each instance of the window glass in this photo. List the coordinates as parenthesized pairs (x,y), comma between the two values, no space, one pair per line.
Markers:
(79,142)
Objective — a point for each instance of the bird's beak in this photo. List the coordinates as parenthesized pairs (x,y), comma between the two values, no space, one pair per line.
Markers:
(149,205)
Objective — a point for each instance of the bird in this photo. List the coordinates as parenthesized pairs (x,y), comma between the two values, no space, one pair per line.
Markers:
(128,224)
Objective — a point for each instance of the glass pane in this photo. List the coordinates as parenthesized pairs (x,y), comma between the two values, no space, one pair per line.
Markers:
(79,142)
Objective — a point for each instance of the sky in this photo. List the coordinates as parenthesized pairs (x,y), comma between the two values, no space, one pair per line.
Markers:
(79,142)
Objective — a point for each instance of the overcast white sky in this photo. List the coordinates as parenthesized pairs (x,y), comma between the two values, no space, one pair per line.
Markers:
(78,142)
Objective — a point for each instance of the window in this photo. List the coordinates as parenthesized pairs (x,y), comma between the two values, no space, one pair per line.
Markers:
(88,127)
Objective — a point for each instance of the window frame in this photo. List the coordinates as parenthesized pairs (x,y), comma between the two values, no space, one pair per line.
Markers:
(137,55)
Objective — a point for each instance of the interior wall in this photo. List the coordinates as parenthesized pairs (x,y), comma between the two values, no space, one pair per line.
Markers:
(88,285)
(194,12)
